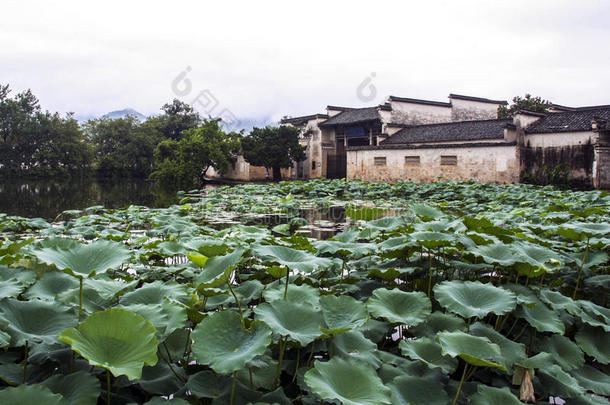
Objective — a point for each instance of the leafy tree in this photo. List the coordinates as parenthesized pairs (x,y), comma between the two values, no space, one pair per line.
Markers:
(123,147)
(185,162)
(177,118)
(273,147)
(530,103)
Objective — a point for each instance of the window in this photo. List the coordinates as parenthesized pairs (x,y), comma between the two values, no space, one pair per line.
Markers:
(380,160)
(450,160)
(412,160)
(313,165)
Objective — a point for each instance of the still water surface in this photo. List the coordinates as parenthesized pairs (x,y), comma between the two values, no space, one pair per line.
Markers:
(49,197)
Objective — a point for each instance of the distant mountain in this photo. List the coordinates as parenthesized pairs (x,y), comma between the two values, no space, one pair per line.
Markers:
(123,113)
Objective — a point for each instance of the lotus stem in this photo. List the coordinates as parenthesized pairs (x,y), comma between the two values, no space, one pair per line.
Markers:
(241,313)
(296,368)
(287,281)
(582,264)
(25,361)
(457,394)
(429,273)
(313,346)
(233,387)
(80,299)
(251,379)
(279,362)
(107,387)
(170,365)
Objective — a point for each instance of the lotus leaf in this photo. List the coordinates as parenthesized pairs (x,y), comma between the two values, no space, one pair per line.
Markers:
(85,260)
(217,270)
(80,388)
(474,299)
(118,340)
(31,394)
(594,342)
(353,345)
(494,396)
(399,307)
(411,390)
(478,351)
(291,258)
(564,351)
(300,323)
(342,313)
(429,352)
(221,341)
(35,321)
(592,379)
(349,381)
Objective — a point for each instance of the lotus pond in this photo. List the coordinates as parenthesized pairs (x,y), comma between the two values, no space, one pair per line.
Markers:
(445,293)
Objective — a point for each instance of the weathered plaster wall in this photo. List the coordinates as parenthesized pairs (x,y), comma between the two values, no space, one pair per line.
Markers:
(560,139)
(243,171)
(467,110)
(601,172)
(418,114)
(488,164)
(578,160)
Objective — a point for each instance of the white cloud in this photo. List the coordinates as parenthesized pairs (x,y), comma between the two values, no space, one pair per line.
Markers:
(274,58)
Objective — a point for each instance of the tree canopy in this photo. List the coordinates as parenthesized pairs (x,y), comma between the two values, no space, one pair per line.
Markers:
(185,162)
(273,147)
(529,102)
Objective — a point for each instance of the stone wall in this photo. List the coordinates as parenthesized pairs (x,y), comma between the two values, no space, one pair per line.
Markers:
(243,171)
(484,163)
(562,165)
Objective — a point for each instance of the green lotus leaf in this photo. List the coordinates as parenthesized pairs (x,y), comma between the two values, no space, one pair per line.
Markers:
(85,260)
(217,270)
(429,352)
(557,382)
(31,394)
(197,258)
(262,377)
(425,212)
(171,248)
(540,317)
(398,307)
(348,249)
(564,351)
(583,230)
(595,342)
(35,321)
(385,224)
(342,313)
(474,299)
(364,213)
(496,253)
(301,323)
(221,342)
(25,276)
(109,288)
(511,351)
(165,317)
(248,291)
(438,322)
(432,240)
(353,345)
(207,384)
(594,315)
(534,260)
(161,379)
(599,281)
(291,258)
(412,390)
(80,388)
(592,379)
(589,399)
(349,381)
(557,300)
(486,395)
(155,293)
(304,294)
(541,360)
(118,340)
(478,351)
(50,285)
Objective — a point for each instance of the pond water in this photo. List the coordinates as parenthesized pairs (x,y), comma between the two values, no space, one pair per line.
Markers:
(46,198)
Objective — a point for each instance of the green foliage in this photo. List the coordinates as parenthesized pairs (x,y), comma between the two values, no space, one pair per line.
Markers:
(184,162)
(529,103)
(273,147)
(476,293)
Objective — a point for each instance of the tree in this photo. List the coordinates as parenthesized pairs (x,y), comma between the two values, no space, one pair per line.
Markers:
(273,147)
(177,118)
(184,163)
(123,146)
(535,104)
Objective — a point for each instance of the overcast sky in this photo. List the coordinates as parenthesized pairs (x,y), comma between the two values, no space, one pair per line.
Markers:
(273,58)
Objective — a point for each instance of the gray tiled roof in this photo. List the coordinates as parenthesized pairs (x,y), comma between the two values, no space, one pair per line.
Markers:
(301,120)
(479,99)
(353,116)
(577,120)
(450,131)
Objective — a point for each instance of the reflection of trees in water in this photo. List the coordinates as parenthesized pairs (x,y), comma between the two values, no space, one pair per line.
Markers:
(47,198)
